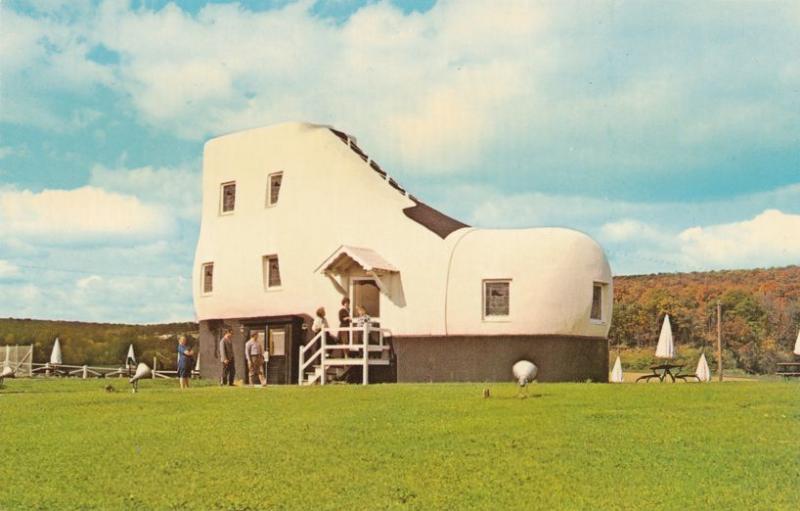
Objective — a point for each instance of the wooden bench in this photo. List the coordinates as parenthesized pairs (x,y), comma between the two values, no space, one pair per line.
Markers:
(788,369)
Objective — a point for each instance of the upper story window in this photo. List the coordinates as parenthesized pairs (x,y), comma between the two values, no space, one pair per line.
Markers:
(272,272)
(274,188)
(496,299)
(208,278)
(227,201)
(596,313)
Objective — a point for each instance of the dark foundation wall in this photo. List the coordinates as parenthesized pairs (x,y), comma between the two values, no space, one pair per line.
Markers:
(490,358)
(210,333)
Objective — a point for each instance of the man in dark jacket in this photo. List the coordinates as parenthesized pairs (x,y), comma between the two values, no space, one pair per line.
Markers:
(226,356)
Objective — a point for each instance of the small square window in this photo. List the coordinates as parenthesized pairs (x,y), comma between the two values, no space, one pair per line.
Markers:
(228,197)
(272,272)
(208,278)
(274,188)
(496,298)
(597,302)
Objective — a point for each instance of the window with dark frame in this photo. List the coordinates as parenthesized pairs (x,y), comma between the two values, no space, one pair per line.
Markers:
(496,298)
(274,190)
(228,197)
(597,302)
(208,278)
(272,271)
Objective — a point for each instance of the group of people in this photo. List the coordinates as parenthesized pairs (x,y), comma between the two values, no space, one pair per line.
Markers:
(253,353)
(254,350)
(345,321)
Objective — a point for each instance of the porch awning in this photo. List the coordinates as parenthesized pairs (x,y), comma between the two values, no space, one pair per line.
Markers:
(346,257)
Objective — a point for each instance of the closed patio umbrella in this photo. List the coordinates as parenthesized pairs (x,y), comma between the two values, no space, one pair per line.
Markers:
(130,360)
(702,372)
(665,347)
(616,372)
(7,362)
(55,355)
(796,344)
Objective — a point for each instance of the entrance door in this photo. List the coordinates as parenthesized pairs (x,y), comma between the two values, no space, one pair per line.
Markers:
(366,293)
(278,346)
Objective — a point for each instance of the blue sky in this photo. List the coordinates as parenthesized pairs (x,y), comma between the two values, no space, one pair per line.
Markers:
(669,131)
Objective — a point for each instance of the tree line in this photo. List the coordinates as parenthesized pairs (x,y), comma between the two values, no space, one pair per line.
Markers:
(760,313)
(97,344)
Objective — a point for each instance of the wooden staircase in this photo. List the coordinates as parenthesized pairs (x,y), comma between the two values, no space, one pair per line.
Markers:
(318,366)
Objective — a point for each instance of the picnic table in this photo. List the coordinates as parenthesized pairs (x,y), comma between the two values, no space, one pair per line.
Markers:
(788,369)
(661,371)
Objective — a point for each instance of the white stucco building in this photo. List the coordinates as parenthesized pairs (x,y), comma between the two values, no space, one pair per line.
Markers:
(296,216)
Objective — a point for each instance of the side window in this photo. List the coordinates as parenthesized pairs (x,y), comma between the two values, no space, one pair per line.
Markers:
(274,188)
(496,299)
(596,313)
(227,201)
(272,272)
(208,278)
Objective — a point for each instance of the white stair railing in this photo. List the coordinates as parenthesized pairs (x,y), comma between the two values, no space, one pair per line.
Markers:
(321,361)
(304,363)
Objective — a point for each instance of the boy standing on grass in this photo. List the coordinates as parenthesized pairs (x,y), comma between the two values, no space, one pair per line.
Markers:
(226,356)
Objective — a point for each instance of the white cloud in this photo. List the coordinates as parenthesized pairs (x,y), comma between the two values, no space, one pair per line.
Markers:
(7,269)
(176,189)
(771,238)
(100,298)
(488,207)
(86,214)
(88,281)
(466,85)
(42,56)
(630,230)
(647,237)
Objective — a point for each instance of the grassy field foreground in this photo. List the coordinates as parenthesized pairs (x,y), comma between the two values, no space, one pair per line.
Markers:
(71,444)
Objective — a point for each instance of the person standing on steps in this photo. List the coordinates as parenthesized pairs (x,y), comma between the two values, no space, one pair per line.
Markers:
(344,322)
(226,356)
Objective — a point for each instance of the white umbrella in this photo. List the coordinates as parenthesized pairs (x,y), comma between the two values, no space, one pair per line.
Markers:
(702,372)
(7,361)
(665,347)
(616,372)
(55,355)
(130,360)
(796,344)
(197,364)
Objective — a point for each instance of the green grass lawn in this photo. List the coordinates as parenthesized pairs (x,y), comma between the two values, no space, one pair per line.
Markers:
(72,445)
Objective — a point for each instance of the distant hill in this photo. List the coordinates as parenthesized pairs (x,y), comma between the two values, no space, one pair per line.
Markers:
(761,312)
(97,343)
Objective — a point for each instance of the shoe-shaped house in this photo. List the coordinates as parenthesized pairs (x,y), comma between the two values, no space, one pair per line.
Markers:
(296,216)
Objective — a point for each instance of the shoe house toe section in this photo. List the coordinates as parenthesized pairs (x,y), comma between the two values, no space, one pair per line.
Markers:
(529,282)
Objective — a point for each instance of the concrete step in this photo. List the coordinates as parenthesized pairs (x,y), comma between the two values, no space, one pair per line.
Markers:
(356,361)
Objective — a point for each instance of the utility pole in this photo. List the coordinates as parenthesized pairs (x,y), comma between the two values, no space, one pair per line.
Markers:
(719,340)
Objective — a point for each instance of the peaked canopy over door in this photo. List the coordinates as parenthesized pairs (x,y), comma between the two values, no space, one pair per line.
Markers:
(345,259)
